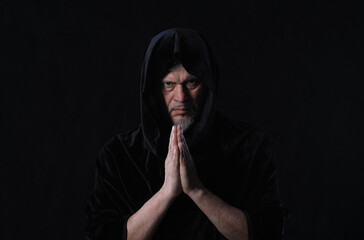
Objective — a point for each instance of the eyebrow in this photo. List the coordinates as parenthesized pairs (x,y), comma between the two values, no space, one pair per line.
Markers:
(192,77)
(166,80)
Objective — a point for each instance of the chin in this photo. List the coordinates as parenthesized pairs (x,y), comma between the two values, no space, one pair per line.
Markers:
(180,118)
(185,122)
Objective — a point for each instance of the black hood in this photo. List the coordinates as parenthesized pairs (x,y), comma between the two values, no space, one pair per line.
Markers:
(169,47)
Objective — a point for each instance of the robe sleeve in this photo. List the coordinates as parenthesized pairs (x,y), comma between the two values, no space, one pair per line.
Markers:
(265,214)
(108,209)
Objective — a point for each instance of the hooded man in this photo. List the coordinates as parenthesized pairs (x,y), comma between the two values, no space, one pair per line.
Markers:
(186,172)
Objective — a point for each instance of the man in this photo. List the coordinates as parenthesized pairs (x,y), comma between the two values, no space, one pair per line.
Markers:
(187,172)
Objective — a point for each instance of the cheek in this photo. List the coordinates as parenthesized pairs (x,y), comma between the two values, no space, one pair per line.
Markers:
(197,96)
(167,98)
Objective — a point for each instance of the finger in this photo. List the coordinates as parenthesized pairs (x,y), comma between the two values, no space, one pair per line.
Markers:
(170,139)
(179,140)
(181,159)
(174,140)
(174,158)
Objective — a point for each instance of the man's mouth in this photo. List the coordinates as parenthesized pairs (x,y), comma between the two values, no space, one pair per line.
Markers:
(181,110)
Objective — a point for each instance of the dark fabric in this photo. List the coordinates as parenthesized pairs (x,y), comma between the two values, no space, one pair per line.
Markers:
(234,160)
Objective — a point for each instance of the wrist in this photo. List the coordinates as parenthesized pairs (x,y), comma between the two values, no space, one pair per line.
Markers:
(196,193)
(166,193)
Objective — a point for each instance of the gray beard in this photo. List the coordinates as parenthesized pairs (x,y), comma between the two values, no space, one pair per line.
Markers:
(186,124)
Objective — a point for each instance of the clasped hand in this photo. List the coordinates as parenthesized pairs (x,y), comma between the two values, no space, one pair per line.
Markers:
(180,172)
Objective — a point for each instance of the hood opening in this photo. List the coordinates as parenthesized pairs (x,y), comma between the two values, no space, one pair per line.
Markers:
(167,49)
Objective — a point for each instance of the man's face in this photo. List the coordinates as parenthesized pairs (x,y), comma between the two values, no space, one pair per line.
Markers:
(182,94)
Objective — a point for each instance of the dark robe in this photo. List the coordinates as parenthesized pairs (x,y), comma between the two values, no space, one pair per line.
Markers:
(234,160)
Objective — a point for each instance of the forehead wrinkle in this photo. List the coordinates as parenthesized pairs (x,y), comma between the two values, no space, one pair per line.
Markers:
(189,77)
(192,77)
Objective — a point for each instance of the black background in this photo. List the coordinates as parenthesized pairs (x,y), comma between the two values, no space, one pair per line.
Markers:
(70,81)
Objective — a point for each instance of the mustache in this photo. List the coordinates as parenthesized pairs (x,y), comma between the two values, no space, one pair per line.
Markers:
(189,106)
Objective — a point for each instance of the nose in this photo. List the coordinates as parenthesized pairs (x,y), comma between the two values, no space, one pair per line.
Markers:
(181,94)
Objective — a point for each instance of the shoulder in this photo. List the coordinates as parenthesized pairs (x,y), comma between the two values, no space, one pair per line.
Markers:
(123,140)
(233,132)
(248,144)
(120,147)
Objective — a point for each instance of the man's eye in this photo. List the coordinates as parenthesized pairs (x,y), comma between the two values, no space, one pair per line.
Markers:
(168,85)
(192,83)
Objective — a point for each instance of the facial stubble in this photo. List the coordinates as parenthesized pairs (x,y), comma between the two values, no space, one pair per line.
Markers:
(189,121)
